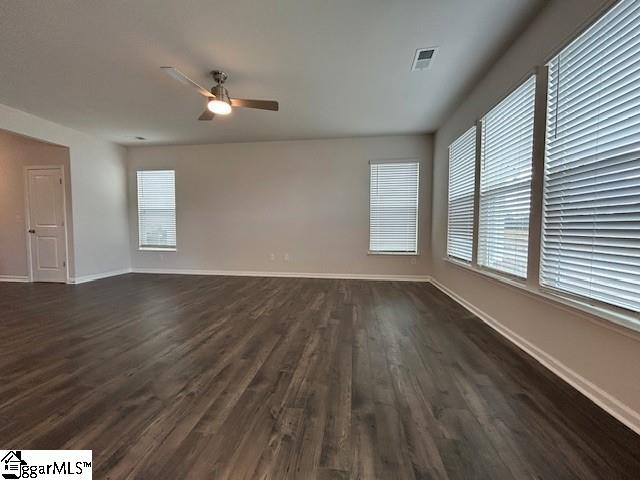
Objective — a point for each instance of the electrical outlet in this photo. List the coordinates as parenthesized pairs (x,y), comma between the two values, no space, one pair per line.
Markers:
(286,257)
(272,256)
(414,261)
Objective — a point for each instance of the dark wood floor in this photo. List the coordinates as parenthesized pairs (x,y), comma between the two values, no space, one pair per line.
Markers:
(222,377)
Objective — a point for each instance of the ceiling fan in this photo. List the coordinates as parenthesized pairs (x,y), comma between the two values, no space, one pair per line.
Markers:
(218,100)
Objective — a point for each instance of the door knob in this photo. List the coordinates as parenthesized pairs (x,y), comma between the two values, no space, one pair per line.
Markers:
(31,230)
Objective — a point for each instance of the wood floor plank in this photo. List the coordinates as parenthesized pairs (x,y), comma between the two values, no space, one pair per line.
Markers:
(198,377)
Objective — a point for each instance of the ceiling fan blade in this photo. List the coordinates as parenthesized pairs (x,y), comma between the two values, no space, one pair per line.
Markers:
(207,115)
(182,78)
(261,104)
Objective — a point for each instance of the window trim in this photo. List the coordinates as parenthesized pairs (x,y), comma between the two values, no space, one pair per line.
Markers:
(391,252)
(586,25)
(599,305)
(605,314)
(157,249)
(153,248)
(537,124)
(476,195)
(601,312)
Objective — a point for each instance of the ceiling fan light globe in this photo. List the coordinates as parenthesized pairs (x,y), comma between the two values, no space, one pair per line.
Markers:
(219,107)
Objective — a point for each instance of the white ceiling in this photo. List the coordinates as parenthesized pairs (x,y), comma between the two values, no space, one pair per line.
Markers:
(338,67)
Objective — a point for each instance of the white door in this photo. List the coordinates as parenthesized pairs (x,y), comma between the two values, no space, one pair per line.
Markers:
(46,229)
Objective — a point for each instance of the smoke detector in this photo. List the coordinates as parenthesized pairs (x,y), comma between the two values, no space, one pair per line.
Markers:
(423,58)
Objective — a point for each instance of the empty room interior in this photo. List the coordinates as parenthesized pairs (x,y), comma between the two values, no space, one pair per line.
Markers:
(320,239)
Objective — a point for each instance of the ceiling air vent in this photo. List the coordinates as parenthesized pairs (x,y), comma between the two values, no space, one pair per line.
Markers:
(423,58)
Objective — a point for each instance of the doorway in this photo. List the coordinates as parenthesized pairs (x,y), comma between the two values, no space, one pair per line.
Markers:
(46,224)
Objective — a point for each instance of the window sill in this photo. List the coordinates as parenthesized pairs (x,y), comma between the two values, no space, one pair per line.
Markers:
(414,254)
(603,315)
(157,249)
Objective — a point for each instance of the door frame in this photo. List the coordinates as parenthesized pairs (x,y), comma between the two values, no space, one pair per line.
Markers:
(27,217)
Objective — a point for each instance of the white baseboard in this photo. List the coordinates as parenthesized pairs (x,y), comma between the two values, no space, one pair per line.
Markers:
(14,278)
(244,273)
(604,400)
(98,276)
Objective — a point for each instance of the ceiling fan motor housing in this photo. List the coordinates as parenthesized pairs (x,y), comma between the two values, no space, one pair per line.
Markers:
(221,93)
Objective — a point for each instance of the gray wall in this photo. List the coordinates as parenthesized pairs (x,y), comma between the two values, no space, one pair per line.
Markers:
(98,188)
(239,203)
(99,185)
(590,352)
(17,152)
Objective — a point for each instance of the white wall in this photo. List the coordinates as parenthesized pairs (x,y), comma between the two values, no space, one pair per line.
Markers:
(99,193)
(239,203)
(593,354)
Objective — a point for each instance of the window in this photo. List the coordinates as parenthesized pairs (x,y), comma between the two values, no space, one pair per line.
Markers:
(505,182)
(393,204)
(591,203)
(156,209)
(462,185)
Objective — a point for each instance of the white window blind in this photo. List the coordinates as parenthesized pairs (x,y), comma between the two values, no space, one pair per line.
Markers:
(505,182)
(462,170)
(393,203)
(591,222)
(156,209)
